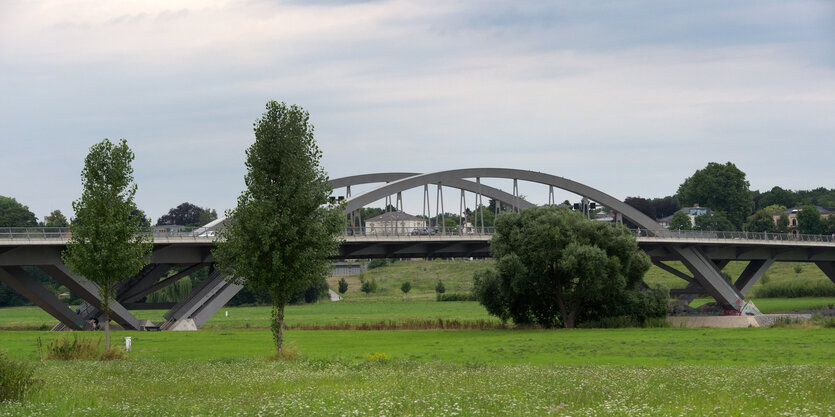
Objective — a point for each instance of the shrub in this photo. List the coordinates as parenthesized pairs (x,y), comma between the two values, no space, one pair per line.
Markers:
(796,289)
(343,286)
(798,268)
(440,289)
(376,263)
(78,348)
(377,357)
(16,378)
(455,297)
(406,287)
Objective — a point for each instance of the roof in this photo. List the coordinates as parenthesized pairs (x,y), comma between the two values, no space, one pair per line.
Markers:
(797,209)
(685,210)
(394,216)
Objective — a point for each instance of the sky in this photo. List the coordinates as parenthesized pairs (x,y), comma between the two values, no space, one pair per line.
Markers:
(630,97)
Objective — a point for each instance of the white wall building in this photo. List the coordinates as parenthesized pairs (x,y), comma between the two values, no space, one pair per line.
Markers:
(393,223)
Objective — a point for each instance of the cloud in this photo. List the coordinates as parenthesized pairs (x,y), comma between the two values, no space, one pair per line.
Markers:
(630,97)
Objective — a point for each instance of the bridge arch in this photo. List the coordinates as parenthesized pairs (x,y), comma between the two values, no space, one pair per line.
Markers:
(459,183)
(457,176)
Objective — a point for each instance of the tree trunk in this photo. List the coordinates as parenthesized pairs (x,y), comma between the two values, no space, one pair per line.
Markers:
(278,327)
(106,331)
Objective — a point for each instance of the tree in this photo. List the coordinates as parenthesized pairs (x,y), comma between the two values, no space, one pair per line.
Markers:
(369,286)
(554,266)
(762,221)
(681,221)
(343,286)
(406,287)
(439,288)
(187,214)
(783,223)
(666,206)
(56,219)
(778,196)
(14,214)
(809,221)
(279,237)
(720,188)
(109,242)
(715,220)
(641,204)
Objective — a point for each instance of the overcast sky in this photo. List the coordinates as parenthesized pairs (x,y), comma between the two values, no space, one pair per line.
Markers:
(629,97)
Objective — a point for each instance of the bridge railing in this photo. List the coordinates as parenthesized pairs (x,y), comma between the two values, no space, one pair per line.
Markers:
(39,233)
(424,232)
(732,235)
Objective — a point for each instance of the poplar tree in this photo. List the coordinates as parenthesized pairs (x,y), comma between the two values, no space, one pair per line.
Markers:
(109,242)
(279,237)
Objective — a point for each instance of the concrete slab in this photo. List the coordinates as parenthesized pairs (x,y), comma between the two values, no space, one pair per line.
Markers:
(729,322)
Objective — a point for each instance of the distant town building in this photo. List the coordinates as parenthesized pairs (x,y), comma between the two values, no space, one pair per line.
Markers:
(691,212)
(791,213)
(394,223)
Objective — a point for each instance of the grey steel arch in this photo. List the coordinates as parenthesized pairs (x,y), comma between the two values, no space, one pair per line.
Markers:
(448,177)
(705,272)
(462,184)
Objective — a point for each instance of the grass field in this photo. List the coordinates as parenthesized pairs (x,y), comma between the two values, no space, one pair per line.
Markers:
(457,276)
(510,372)
(368,311)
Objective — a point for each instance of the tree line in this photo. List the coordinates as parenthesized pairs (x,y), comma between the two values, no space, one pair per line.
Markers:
(725,191)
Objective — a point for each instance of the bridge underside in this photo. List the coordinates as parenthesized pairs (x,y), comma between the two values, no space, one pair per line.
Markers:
(189,313)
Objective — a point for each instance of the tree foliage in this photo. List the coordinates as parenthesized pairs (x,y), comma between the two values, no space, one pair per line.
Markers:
(109,242)
(783,223)
(554,267)
(279,237)
(342,286)
(56,219)
(761,221)
(439,287)
(681,221)
(187,214)
(714,220)
(641,204)
(722,188)
(809,221)
(406,287)
(14,214)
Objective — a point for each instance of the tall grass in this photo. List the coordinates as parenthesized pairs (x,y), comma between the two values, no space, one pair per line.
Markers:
(67,348)
(16,378)
(795,289)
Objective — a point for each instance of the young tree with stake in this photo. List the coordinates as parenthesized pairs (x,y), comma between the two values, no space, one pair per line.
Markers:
(109,243)
(279,237)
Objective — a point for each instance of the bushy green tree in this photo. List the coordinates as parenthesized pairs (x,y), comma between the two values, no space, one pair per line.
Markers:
(809,221)
(783,223)
(721,188)
(715,220)
(762,221)
(343,286)
(109,241)
(56,219)
(555,266)
(439,287)
(406,287)
(681,221)
(280,235)
(14,214)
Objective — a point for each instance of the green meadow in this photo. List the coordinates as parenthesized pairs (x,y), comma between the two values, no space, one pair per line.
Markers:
(224,369)
(443,373)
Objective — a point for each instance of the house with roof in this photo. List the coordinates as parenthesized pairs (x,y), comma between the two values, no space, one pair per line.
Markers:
(691,212)
(792,213)
(394,223)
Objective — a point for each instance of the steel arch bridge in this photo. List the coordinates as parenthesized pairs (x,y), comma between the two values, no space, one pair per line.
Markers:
(706,274)
(702,253)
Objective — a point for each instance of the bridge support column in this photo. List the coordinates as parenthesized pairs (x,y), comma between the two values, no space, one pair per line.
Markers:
(89,292)
(752,273)
(203,302)
(708,275)
(828,268)
(19,280)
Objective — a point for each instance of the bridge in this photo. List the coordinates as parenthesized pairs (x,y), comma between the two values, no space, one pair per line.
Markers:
(702,253)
